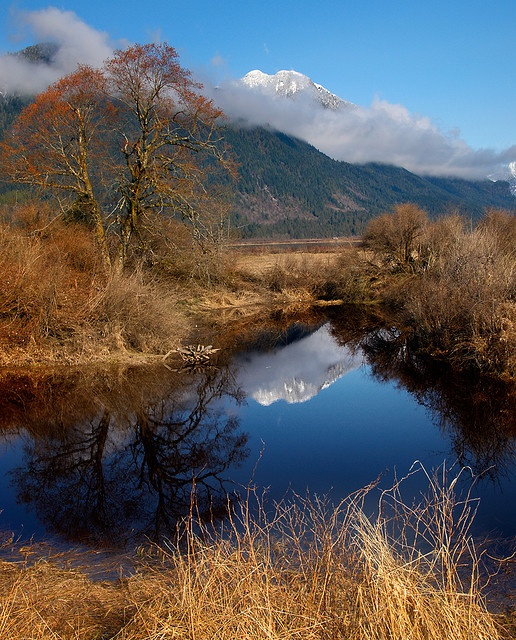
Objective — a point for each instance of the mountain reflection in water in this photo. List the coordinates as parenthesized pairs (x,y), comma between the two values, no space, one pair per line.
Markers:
(109,457)
(297,371)
(320,421)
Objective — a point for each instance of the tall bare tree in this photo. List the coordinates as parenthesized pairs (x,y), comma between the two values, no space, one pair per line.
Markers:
(165,125)
(56,140)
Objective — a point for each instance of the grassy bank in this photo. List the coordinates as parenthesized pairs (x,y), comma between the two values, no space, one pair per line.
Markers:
(58,304)
(301,569)
(452,288)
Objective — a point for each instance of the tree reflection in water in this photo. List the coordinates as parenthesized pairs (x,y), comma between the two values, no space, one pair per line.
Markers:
(478,412)
(125,467)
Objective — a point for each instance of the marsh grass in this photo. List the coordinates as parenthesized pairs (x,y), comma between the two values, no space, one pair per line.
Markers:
(300,569)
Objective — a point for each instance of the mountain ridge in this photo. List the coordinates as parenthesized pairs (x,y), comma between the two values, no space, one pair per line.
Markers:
(287,188)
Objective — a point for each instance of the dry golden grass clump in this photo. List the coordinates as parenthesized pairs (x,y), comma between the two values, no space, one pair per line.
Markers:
(301,570)
(58,303)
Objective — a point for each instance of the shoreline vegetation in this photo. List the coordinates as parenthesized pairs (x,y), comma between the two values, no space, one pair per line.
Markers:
(299,569)
(448,289)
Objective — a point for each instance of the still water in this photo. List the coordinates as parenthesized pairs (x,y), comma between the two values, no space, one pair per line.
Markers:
(108,457)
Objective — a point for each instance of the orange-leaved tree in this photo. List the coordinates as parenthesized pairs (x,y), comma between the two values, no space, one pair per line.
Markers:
(130,141)
(58,140)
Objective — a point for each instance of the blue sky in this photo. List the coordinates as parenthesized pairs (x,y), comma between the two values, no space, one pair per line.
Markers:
(449,61)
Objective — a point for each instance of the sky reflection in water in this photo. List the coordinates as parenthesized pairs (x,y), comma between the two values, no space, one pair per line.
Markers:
(324,423)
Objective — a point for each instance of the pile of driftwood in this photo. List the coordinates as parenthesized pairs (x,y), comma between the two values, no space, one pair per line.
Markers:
(195,357)
(199,354)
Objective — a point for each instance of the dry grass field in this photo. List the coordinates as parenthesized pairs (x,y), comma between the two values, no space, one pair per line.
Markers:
(259,263)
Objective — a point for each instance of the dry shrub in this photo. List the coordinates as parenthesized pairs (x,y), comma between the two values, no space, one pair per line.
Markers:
(283,274)
(348,279)
(133,313)
(169,249)
(17,262)
(440,238)
(462,299)
(28,216)
(501,227)
(74,245)
(46,280)
(56,296)
(301,272)
(396,236)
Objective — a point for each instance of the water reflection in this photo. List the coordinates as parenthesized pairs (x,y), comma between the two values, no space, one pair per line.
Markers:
(109,456)
(297,371)
(478,412)
(105,466)
(320,421)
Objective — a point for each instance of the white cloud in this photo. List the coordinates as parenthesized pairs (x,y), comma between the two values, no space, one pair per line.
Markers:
(77,43)
(384,132)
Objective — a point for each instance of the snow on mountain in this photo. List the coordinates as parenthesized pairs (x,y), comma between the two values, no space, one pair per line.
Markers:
(512,179)
(292,84)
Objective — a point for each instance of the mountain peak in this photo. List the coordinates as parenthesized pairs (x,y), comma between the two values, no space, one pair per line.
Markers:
(42,53)
(292,84)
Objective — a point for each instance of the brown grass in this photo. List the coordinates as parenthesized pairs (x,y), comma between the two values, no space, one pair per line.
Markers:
(299,570)
(56,303)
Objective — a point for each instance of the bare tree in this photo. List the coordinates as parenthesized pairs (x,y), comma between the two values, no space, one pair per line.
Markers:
(56,141)
(166,124)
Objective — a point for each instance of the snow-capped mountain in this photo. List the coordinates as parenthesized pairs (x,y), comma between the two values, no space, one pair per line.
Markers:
(292,84)
(512,179)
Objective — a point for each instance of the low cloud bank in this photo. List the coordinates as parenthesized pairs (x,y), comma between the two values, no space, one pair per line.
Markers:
(77,43)
(384,132)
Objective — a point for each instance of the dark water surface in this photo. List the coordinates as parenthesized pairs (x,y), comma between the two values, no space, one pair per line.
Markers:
(106,457)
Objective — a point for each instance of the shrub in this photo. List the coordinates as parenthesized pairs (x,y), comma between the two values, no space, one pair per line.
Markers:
(132,312)
(396,236)
(463,302)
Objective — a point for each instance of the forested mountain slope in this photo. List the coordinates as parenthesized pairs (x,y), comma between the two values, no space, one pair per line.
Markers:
(288,188)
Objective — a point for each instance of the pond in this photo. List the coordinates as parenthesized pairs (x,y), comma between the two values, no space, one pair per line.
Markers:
(108,457)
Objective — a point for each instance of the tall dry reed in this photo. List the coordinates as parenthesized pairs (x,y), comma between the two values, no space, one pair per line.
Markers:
(300,569)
